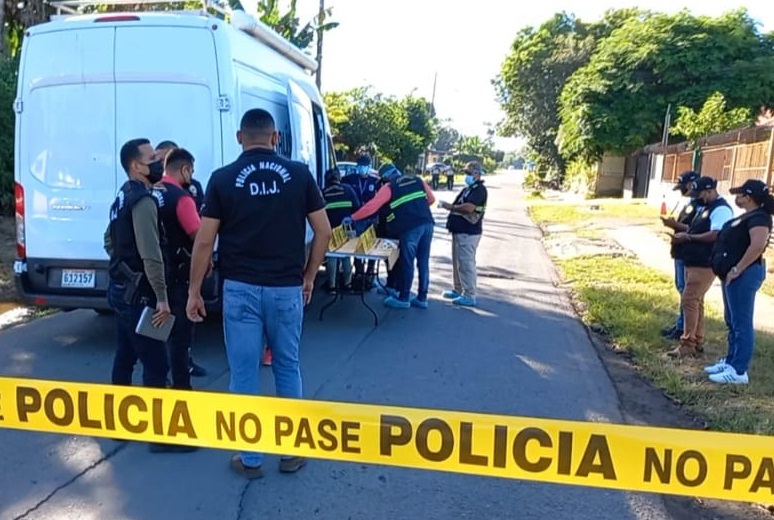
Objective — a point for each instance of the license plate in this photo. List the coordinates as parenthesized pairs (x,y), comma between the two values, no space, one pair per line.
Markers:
(78,278)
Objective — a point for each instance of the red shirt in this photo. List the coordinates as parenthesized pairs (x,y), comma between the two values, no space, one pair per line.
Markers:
(383,197)
(186,212)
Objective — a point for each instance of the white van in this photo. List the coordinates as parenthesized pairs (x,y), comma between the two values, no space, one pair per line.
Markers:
(89,83)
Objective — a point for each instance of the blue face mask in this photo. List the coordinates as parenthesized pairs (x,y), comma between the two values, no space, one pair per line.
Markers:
(363,170)
(469,180)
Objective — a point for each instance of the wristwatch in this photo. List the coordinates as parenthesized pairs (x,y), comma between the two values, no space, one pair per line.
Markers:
(734,270)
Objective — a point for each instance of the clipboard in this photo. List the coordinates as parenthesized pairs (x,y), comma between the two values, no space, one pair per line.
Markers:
(146,328)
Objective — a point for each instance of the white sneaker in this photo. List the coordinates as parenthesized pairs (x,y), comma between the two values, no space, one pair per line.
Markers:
(717,368)
(729,376)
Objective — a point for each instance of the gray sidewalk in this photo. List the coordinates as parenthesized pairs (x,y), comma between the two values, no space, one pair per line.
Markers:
(653,251)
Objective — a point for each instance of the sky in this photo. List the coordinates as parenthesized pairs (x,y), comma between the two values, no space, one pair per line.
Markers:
(397,46)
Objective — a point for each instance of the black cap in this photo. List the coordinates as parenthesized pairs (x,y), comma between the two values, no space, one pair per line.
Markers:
(753,187)
(705,183)
(685,179)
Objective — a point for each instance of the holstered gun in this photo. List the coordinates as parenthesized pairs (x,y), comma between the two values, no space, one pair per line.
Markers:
(133,281)
(180,264)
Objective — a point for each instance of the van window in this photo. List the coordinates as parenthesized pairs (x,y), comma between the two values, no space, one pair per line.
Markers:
(253,90)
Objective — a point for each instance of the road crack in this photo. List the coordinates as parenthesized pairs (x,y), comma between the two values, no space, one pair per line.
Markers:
(241,507)
(59,488)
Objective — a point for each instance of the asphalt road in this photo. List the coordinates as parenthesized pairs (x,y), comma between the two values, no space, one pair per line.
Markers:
(522,352)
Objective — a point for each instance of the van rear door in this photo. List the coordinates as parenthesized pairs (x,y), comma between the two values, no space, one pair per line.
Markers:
(167,88)
(66,155)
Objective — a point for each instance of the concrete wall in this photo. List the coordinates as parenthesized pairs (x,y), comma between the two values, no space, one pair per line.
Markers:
(610,177)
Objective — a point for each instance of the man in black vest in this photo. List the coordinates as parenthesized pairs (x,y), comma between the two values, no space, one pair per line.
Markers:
(409,198)
(193,187)
(133,242)
(689,210)
(391,287)
(465,223)
(181,221)
(340,202)
(697,245)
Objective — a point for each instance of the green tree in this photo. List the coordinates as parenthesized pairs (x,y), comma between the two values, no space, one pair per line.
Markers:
(713,118)
(533,75)
(447,138)
(398,129)
(616,103)
(288,25)
(8,75)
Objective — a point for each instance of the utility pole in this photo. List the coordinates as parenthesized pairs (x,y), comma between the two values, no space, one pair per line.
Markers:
(320,20)
(432,104)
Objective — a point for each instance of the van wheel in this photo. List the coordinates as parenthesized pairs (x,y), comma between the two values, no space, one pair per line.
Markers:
(104,312)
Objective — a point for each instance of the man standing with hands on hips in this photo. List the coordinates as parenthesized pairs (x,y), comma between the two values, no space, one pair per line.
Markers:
(258,207)
(465,223)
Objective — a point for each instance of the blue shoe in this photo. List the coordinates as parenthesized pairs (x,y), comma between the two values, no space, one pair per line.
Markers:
(419,304)
(451,295)
(465,301)
(395,303)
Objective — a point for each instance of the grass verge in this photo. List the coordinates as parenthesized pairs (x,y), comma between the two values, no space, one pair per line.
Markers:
(632,303)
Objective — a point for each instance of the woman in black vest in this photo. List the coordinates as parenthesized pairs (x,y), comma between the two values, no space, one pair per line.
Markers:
(737,259)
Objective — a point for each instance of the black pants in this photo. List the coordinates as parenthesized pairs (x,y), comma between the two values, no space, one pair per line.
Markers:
(181,337)
(436,181)
(450,182)
(359,267)
(131,347)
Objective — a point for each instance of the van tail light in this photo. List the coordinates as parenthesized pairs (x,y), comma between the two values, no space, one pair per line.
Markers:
(118,18)
(18,192)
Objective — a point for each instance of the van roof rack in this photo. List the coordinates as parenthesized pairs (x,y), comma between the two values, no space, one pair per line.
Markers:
(237,18)
(71,7)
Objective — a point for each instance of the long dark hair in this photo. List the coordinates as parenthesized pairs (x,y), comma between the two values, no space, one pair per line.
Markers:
(766,202)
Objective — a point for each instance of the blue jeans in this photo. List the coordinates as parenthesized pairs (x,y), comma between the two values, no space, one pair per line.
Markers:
(680,285)
(249,313)
(738,312)
(130,346)
(415,246)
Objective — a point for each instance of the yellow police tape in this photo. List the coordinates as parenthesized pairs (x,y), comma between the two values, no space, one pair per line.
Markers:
(633,458)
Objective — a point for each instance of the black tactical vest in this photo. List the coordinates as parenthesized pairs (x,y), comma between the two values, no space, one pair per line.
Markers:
(178,245)
(699,254)
(122,233)
(686,215)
